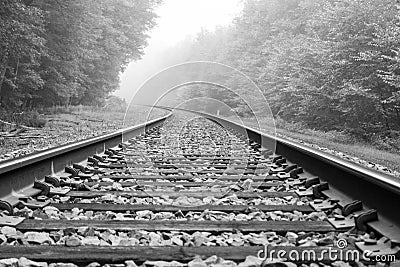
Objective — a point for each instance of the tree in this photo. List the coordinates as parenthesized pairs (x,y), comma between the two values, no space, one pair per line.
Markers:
(69,52)
(330,64)
(21,44)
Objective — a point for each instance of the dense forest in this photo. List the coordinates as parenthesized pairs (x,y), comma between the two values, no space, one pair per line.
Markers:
(332,65)
(329,64)
(55,52)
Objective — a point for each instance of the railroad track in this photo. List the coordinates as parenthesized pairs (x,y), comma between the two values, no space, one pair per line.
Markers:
(181,191)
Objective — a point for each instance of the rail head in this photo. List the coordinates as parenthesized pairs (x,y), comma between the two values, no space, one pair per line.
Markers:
(391,183)
(381,179)
(376,190)
(23,161)
(347,181)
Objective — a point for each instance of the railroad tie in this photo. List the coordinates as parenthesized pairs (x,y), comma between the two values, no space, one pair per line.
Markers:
(186,191)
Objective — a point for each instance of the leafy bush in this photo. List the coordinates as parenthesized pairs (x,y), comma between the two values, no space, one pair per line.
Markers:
(300,127)
(25,118)
(390,141)
(34,119)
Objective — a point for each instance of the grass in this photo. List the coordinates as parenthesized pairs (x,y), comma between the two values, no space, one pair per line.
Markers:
(65,125)
(337,141)
(11,120)
(115,115)
(360,150)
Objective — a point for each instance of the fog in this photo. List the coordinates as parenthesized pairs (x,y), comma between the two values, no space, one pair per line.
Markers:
(178,20)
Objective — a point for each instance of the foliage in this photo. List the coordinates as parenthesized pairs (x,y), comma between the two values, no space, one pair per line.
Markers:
(34,119)
(21,45)
(115,103)
(25,118)
(331,65)
(68,52)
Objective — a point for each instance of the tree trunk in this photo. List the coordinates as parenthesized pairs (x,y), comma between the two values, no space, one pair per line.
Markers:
(385,115)
(2,75)
(3,69)
(16,74)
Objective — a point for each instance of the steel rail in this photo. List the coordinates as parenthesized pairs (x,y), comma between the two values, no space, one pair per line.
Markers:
(19,174)
(329,168)
(375,189)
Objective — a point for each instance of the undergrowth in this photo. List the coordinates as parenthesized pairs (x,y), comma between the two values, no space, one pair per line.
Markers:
(25,118)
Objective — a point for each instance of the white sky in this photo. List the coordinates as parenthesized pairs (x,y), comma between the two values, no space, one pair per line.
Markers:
(177,19)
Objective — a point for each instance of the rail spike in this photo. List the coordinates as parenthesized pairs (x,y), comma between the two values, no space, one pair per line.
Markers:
(42,186)
(295,172)
(318,188)
(71,170)
(4,205)
(290,168)
(55,181)
(365,217)
(94,161)
(311,181)
(349,208)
